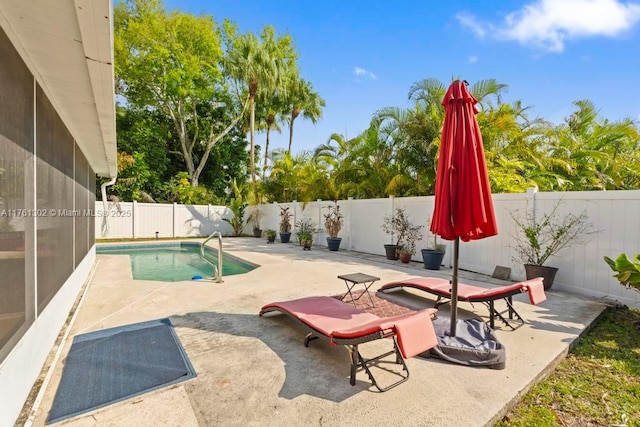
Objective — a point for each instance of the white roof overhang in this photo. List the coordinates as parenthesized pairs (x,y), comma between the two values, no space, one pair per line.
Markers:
(68,46)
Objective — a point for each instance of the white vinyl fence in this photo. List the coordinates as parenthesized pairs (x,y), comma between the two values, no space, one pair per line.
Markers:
(614,214)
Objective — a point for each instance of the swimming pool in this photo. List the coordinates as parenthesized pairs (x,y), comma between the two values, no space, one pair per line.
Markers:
(175,262)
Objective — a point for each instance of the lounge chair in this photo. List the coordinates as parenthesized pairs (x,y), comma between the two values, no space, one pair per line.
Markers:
(468,293)
(347,325)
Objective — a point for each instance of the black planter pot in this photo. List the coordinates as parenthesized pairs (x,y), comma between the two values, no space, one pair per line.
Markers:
(285,236)
(271,238)
(333,243)
(257,232)
(432,259)
(548,274)
(391,251)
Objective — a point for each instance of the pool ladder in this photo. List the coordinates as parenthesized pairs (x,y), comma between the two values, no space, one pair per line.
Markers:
(217,270)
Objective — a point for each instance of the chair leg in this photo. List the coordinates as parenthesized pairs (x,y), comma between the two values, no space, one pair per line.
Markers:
(493,313)
(358,360)
(354,355)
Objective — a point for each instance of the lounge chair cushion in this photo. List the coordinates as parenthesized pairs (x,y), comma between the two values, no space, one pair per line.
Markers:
(414,331)
(535,288)
(325,314)
(343,324)
(415,334)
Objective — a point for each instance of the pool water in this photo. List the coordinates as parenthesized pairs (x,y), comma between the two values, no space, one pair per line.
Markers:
(175,262)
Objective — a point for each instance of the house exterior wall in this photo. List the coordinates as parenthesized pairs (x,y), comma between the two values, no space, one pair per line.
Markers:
(46,235)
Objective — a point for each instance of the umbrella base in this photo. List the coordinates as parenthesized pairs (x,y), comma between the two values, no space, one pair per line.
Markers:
(475,344)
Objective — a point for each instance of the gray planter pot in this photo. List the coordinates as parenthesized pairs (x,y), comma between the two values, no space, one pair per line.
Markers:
(285,236)
(333,243)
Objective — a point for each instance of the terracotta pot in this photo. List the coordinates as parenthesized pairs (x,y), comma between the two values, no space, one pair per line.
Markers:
(405,257)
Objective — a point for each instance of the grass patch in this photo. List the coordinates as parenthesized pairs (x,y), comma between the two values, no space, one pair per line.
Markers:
(598,384)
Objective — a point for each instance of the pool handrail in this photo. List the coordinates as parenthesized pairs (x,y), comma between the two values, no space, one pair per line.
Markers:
(217,270)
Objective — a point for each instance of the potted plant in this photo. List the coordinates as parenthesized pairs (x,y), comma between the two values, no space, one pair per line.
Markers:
(333,221)
(408,248)
(305,229)
(539,239)
(399,227)
(285,224)
(432,256)
(237,207)
(306,239)
(254,219)
(627,270)
(271,235)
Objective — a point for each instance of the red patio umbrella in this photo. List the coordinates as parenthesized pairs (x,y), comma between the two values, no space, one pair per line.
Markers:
(463,205)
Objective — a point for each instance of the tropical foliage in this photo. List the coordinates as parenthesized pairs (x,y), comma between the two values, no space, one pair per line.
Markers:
(191,90)
(627,270)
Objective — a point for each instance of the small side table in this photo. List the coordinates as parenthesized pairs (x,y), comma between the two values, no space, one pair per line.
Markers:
(351,280)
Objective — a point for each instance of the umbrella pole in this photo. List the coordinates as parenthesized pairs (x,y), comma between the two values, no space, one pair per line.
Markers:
(454,287)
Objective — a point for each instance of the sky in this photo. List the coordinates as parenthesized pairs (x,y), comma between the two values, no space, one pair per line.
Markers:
(362,56)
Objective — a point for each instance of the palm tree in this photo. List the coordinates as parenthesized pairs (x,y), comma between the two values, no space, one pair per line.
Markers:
(269,109)
(301,99)
(252,68)
(590,149)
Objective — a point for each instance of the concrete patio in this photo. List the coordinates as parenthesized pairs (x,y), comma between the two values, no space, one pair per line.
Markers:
(256,371)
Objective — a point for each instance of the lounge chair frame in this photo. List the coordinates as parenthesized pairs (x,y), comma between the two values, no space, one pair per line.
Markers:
(486,296)
(355,357)
(493,312)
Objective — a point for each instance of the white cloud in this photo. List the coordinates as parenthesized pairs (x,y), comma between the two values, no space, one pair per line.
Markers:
(471,23)
(548,24)
(359,72)
(473,59)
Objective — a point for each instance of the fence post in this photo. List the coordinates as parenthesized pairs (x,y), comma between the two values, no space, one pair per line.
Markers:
(134,219)
(295,212)
(319,202)
(275,216)
(392,201)
(531,202)
(349,214)
(173,219)
(209,226)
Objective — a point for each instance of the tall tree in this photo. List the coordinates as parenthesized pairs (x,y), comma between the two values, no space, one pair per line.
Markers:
(300,98)
(171,62)
(270,107)
(257,64)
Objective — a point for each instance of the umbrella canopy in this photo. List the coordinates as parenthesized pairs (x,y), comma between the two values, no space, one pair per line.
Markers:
(463,204)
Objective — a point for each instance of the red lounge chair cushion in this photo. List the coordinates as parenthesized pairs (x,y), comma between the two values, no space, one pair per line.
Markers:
(415,334)
(325,314)
(336,319)
(384,324)
(472,293)
(535,287)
